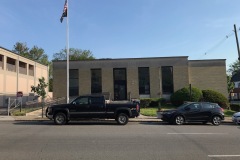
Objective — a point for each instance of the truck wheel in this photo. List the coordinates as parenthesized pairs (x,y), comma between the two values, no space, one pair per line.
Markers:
(122,119)
(60,119)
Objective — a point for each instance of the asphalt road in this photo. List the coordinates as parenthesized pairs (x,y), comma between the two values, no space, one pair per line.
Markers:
(108,141)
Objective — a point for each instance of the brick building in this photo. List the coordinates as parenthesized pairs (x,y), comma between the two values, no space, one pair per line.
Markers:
(138,77)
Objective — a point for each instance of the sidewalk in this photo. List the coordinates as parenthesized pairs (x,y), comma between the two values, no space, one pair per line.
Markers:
(141,118)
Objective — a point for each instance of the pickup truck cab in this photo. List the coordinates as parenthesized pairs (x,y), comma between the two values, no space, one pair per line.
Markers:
(93,106)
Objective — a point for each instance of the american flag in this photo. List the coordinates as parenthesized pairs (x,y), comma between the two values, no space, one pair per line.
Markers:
(64,14)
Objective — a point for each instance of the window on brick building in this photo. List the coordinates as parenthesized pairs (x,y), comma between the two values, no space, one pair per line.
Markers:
(143,80)
(96,81)
(73,82)
(167,79)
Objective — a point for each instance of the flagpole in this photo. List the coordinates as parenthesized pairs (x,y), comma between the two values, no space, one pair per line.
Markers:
(67,55)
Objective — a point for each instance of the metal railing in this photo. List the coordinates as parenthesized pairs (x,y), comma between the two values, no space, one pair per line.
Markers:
(34,105)
(12,104)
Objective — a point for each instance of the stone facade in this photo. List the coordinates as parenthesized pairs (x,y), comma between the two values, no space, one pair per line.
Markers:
(204,74)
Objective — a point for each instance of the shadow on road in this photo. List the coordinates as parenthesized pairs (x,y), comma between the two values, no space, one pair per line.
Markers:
(71,123)
(186,124)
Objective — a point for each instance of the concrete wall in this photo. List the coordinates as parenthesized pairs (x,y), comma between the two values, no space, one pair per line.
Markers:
(13,81)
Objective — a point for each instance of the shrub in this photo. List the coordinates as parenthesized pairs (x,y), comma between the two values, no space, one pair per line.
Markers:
(156,102)
(151,102)
(235,107)
(183,94)
(215,97)
(145,102)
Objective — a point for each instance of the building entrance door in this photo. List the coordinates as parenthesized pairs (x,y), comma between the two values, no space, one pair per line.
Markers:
(120,84)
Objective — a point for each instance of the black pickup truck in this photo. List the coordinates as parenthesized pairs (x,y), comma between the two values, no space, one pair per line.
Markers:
(93,106)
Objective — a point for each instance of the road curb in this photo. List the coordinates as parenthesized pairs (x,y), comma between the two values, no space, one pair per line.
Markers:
(36,119)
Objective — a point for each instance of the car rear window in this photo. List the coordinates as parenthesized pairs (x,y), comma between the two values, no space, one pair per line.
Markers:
(209,105)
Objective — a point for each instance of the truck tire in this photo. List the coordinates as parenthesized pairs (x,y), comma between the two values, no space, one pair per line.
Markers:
(122,119)
(60,119)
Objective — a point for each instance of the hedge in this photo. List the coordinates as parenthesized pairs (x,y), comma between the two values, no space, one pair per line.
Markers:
(215,97)
(182,95)
(235,107)
(151,102)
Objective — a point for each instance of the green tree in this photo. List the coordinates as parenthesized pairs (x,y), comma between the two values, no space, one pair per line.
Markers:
(230,84)
(35,53)
(234,67)
(40,90)
(21,49)
(74,54)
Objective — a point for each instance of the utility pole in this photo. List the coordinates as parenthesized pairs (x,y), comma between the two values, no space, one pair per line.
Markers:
(237,42)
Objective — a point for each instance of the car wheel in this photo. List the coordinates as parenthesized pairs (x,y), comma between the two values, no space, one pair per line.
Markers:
(60,119)
(179,120)
(216,120)
(122,119)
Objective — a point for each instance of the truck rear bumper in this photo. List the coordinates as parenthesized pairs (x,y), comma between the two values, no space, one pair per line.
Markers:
(135,114)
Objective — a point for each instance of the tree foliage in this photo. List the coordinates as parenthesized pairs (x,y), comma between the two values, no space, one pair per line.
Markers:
(234,67)
(74,54)
(230,84)
(40,88)
(35,53)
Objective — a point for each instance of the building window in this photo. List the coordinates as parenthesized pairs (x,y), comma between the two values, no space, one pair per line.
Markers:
(120,83)
(11,64)
(1,61)
(73,82)
(31,70)
(22,68)
(144,82)
(167,79)
(96,81)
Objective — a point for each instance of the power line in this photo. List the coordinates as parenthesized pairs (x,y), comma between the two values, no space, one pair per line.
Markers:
(219,43)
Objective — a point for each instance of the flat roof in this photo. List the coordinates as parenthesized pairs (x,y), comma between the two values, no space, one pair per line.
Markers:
(21,55)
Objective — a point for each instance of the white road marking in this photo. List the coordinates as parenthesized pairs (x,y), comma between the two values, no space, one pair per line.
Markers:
(197,133)
(223,155)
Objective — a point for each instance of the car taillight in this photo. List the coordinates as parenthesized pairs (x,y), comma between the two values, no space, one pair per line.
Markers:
(222,109)
(137,107)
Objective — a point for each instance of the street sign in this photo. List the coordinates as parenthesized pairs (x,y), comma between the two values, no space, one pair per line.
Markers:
(19,94)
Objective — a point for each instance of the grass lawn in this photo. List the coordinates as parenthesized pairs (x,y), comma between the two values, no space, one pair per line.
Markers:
(151,111)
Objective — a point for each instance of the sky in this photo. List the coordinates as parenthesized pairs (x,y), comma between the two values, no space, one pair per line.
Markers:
(199,29)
